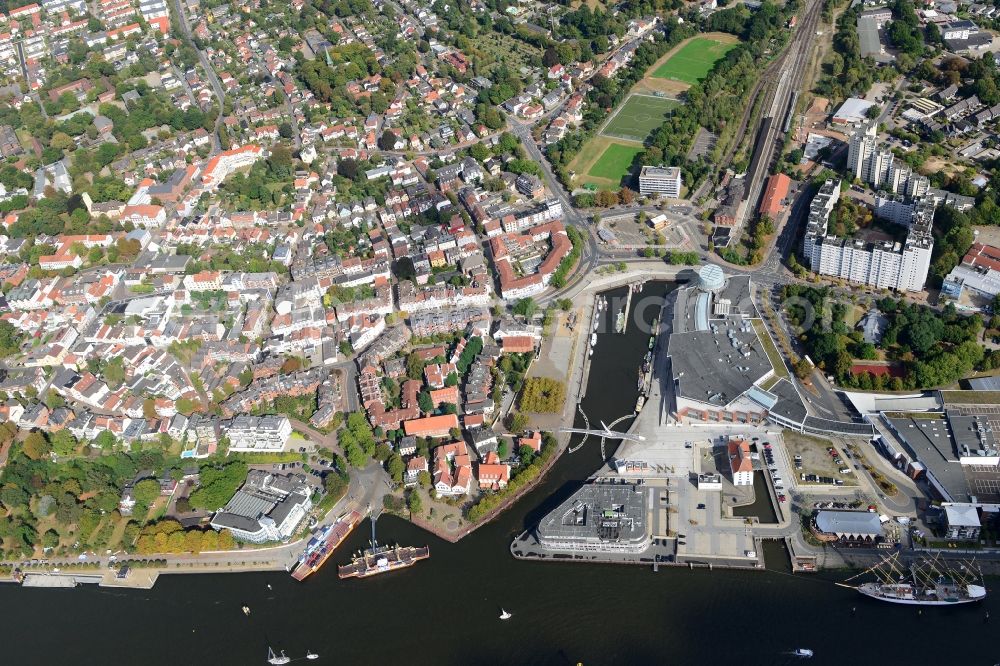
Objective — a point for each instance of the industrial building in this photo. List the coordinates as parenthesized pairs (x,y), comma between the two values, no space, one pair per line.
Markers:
(956,450)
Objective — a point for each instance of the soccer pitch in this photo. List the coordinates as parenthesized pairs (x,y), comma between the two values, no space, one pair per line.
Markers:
(614,162)
(693,61)
(636,119)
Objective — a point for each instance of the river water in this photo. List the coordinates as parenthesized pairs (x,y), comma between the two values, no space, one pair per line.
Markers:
(444,610)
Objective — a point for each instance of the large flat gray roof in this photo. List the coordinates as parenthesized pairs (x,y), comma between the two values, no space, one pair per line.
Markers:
(580,517)
(711,369)
(929,441)
(849,522)
(789,404)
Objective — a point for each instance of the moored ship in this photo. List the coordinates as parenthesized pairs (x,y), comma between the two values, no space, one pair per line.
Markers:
(381,559)
(321,546)
(928,582)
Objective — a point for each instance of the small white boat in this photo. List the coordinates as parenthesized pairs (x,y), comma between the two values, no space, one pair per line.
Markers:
(504,615)
(246,611)
(311,655)
(590,352)
(275,659)
(593,339)
(804,652)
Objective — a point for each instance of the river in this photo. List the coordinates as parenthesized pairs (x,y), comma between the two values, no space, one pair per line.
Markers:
(444,610)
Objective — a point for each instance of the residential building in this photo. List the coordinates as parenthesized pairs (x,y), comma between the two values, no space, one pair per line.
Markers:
(259,433)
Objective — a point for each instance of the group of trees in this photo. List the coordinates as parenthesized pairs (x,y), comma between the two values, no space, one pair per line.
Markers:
(169,536)
(929,348)
(10,339)
(218,484)
(266,184)
(558,278)
(76,496)
(357,439)
(904,30)
(953,231)
(543,395)
(845,72)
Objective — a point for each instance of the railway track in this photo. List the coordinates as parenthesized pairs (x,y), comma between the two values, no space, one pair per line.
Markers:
(771,74)
(776,109)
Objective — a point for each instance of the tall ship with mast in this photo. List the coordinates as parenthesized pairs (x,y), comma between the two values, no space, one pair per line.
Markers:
(321,547)
(381,559)
(926,582)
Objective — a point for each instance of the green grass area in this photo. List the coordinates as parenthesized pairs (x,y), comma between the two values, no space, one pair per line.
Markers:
(614,162)
(692,62)
(971,397)
(769,382)
(639,116)
(772,352)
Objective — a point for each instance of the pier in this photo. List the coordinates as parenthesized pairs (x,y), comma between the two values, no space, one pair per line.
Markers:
(628,306)
(60,580)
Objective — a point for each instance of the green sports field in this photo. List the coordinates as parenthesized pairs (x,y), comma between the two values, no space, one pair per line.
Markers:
(636,119)
(614,162)
(693,61)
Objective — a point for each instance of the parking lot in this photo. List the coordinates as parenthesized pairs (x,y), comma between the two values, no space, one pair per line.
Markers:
(629,233)
(816,461)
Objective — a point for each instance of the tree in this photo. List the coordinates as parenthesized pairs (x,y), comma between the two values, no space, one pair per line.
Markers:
(36,446)
(50,539)
(404,269)
(388,140)
(105,440)
(414,366)
(285,130)
(63,442)
(114,372)
(146,491)
(395,467)
(414,503)
(526,307)
(425,402)
(518,422)
(348,168)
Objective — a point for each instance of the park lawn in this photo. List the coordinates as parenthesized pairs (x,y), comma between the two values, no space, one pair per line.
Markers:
(639,116)
(615,162)
(692,62)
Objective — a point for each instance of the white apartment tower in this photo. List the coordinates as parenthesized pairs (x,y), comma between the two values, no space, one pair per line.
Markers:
(884,265)
(665,181)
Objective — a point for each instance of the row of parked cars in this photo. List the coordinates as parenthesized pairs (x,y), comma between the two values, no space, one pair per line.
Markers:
(772,468)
